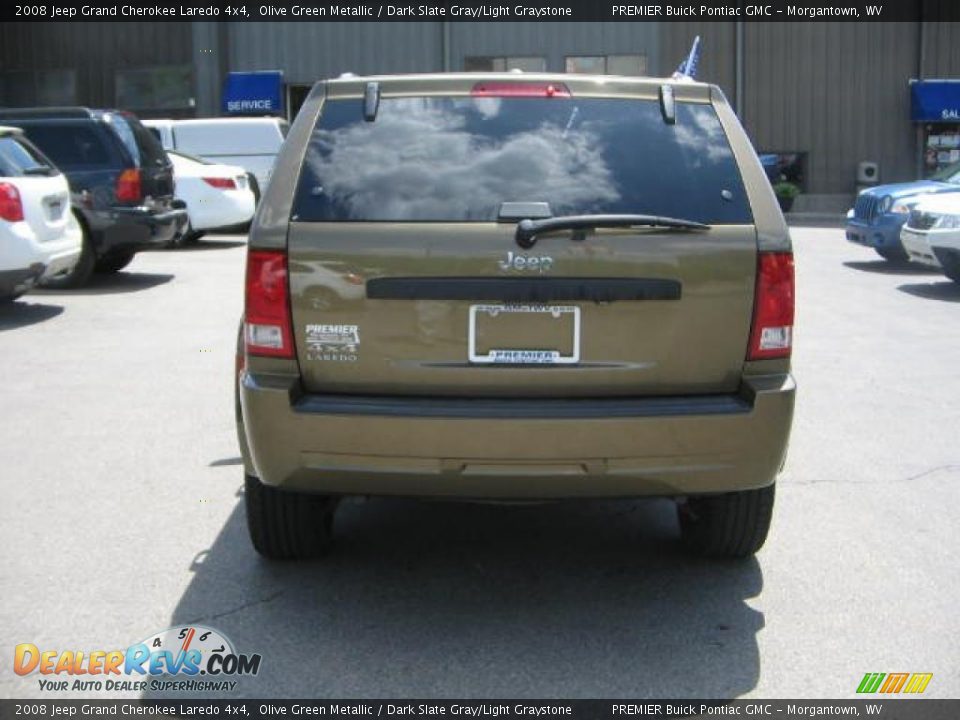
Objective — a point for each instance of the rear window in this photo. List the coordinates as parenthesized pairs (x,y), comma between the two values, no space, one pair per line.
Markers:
(18,158)
(230,137)
(70,146)
(457,159)
(143,147)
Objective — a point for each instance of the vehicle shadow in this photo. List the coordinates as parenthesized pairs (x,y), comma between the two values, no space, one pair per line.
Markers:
(885,267)
(947,291)
(203,245)
(20,313)
(431,599)
(113,283)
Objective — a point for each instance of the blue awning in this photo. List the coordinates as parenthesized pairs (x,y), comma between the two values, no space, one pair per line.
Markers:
(935,100)
(253,93)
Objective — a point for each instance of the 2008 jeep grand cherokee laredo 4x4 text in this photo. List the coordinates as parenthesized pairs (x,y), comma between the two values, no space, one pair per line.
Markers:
(516,287)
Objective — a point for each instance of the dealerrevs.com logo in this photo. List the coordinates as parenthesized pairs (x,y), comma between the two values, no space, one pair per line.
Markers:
(188,659)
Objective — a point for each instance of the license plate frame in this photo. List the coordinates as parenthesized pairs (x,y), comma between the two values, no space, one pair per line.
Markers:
(522,356)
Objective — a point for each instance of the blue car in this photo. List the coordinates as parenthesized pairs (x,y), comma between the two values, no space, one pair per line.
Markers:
(879,213)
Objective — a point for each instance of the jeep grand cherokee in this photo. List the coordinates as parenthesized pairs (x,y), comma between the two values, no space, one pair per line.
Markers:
(516,287)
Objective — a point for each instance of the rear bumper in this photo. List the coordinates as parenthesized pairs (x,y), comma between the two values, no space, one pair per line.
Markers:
(15,282)
(136,228)
(511,448)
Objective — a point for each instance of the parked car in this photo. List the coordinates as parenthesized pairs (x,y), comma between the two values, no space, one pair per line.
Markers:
(121,182)
(218,197)
(573,287)
(879,213)
(251,143)
(39,236)
(931,234)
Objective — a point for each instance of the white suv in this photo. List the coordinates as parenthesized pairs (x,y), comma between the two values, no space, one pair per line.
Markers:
(931,235)
(39,234)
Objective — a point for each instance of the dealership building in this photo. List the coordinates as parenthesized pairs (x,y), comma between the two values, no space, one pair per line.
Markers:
(841,103)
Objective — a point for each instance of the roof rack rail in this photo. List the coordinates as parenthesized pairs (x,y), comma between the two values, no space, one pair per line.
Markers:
(48,112)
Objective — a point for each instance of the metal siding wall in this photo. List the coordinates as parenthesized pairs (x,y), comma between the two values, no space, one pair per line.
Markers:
(554,40)
(95,50)
(310,51)
(942,56)
(837,91)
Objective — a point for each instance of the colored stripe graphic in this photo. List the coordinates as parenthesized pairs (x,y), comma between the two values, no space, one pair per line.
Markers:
(918,683)
(894,683)
(870,682)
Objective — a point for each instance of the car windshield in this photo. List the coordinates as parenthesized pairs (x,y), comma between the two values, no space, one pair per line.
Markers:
(175,154)
(949,174)
(458,159)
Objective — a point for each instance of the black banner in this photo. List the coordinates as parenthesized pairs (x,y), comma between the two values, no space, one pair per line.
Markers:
(886,709)
(472,11)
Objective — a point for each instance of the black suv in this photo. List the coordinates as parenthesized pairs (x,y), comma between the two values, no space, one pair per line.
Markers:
(121,182)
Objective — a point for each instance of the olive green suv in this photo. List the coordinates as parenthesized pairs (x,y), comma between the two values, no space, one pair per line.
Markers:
(516,287)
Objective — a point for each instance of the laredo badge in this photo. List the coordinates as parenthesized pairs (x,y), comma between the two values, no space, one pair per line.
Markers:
(333,343)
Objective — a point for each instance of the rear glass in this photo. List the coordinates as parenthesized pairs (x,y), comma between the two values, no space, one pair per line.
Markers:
(457,159)
(70,146)
(18,157)
(230,137)
(144,148)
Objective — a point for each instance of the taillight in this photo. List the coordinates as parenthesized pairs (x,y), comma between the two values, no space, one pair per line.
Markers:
(267,326)
(11,208)
(128,186)
(771,335)
(520,89)
(221,183)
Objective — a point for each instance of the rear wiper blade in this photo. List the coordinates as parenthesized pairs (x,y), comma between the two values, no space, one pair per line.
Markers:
(527,230)
(38,170)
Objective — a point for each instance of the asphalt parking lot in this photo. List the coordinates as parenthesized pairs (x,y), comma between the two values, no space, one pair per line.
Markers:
(122,515)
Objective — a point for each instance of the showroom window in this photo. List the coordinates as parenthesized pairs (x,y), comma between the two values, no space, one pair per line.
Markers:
(607,64)
(530,63)
(39,87)
(160,88)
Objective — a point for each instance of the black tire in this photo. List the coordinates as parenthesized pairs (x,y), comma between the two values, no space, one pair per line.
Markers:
(893,254)
(191,237)
(288,525)
(951,268)
(114,262)
(82,272)
(731,525)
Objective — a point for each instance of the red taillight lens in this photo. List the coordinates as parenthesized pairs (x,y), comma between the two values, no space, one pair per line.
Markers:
(520,89)
(11,208)
(221,183)
(771,335)
(267,327)
(128,186)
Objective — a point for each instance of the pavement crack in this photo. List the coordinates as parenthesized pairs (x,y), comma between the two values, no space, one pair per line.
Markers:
(894,481)
(239,608)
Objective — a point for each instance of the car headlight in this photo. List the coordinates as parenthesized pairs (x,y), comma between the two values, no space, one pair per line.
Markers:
(901,208)
(948,222)
(885,203)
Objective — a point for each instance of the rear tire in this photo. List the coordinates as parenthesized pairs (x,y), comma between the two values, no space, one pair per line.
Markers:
(288,525)
(731,525)
(114,262)
(893,254)
(82,271)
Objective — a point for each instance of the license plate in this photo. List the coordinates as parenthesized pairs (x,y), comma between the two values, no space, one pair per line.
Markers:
(524,334)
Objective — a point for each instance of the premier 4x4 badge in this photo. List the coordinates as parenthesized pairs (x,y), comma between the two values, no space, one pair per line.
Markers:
(522,261)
